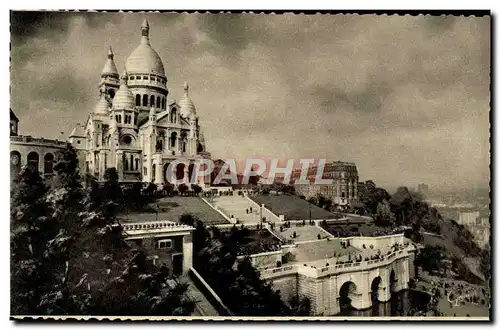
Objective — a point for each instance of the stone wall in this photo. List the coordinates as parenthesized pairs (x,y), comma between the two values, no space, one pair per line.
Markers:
(287,285)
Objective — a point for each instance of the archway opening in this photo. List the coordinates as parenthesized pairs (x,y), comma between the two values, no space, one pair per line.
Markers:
(374,289)
(179,171)
(33,160)
(392,281)
(48,164)
(346,294)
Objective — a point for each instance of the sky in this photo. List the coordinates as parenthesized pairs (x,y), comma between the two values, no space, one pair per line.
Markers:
(407,98)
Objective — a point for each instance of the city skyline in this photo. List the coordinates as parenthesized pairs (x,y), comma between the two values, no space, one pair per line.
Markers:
(264,87)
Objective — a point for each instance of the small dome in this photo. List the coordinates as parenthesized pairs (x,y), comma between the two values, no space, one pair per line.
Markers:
(123,98)
(144,59)
(102,107)
(186,104)
(110,67)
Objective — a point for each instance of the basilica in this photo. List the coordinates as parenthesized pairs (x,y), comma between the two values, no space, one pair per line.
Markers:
(134,127)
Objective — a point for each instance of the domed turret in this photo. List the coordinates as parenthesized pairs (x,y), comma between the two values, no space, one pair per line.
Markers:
(144,59)
(110,67)
(102,107)
(123,98)
(185,103)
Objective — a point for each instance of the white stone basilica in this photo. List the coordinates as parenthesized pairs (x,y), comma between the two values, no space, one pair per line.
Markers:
(134,127)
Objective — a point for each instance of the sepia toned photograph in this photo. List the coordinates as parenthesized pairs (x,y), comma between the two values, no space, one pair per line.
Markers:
(245,166)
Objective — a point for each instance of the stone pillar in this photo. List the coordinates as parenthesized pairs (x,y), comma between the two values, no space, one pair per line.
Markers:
(102,156)
(119,164)
(362,299)
(159,172)
(187,252)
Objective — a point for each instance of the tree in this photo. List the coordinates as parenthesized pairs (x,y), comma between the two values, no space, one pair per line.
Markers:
(384,215)
(182,188)
(430,258)
(197,189)
(313,200)
(69,255)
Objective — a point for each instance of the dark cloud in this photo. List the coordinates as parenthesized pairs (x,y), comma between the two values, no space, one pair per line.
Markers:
(406,95)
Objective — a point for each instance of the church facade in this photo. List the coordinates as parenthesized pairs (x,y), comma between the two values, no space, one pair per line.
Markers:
(135,128)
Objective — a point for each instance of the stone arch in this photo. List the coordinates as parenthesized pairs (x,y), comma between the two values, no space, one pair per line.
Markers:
(48,163)
(33,160)
(145,100)
(347,293)
(138,100)
(15,163)
(392,280)
(158,102)
(179,171)
(152,100)
(374,289)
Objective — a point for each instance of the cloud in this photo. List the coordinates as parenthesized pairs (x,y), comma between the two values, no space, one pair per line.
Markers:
(405,97)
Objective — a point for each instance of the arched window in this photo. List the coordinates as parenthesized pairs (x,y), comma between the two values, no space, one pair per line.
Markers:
(158,102)
(48,163)
(159,145)
(173,115)
(131,162)
(173,139)
(33,160)
(152,100)
(153,173)
(137,164)
(144,100)
(138,100)
(184,145)
(145,171)
(163,103)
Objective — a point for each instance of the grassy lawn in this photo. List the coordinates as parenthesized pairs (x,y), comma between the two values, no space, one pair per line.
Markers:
(292,207)
(342,229)
(171,209)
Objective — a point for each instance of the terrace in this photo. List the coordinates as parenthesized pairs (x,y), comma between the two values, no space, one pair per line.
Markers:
(171,209)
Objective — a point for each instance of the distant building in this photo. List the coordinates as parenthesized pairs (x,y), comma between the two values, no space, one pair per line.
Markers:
(361,189)
(344,189)
(423,189)
(468,218)
(39,153)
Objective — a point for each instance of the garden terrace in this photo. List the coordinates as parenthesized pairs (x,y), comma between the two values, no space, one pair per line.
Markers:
(359,229)
(292,207)
(171,209)
(302,232)
(250,241)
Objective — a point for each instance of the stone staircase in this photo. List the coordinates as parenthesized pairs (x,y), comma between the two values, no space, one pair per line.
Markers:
(236,206)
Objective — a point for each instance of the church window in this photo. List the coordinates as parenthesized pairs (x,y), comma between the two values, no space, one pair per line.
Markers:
(152,100)
(159,145)
(145,77)
(138,100)
(173,139)
(158,102)
(131,162)
(153,78)
(153,173)
(183,146)
(173,117)
(127,139)
(144,100)
(111,93)
(131,77)
(135,120)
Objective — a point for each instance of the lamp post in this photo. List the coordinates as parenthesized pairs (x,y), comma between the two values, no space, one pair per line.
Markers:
(261,222)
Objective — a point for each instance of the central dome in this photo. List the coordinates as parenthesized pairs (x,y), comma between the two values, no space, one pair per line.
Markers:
(144,59)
